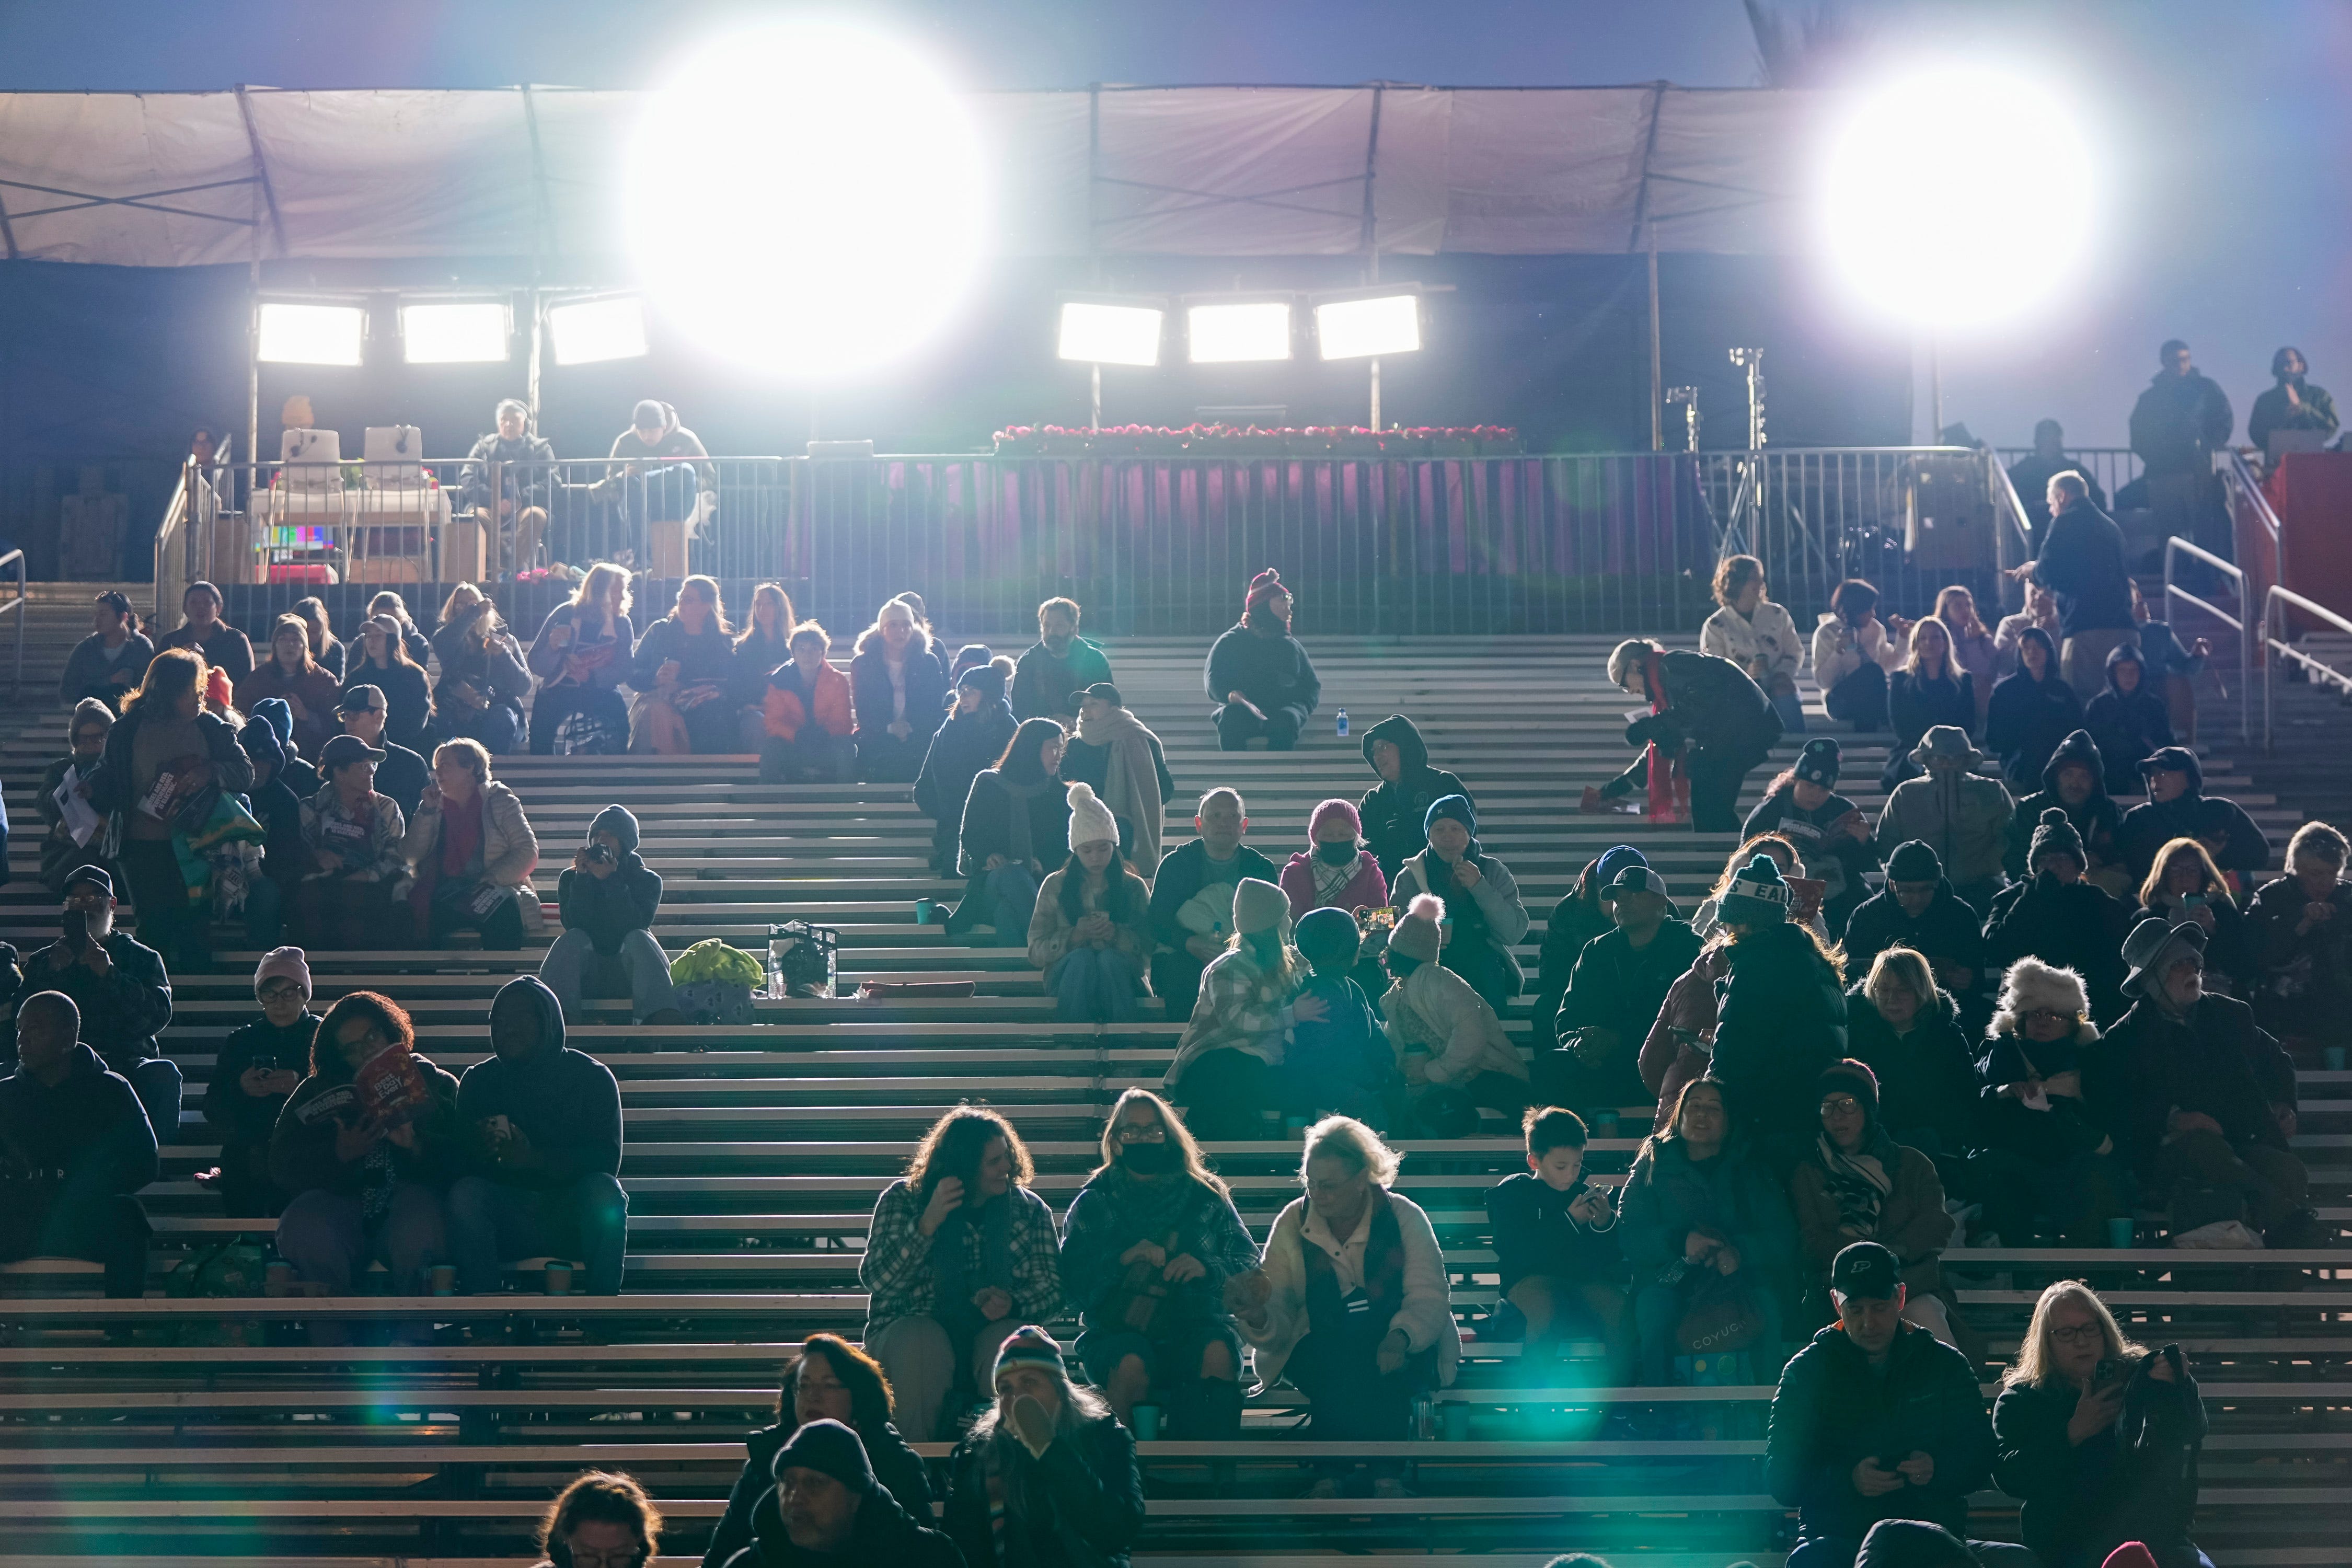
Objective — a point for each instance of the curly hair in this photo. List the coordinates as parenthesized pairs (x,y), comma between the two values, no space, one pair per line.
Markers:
(326,1054)
(955,1143)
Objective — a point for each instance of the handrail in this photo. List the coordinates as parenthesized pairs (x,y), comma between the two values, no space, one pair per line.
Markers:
(2327,673)
(2239,483)
(171,549)
(2176,545)
(2006,507)
(16,558)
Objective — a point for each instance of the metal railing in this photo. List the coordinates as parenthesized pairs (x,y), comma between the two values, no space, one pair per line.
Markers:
(2175,547)
(2013,532)
(16,558)
(2112,469)
(2276,604)
(2254,527)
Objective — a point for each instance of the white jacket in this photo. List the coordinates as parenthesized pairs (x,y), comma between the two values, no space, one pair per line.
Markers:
(1426,1315)
(1870,641)
(1433,1010)
(1766,647)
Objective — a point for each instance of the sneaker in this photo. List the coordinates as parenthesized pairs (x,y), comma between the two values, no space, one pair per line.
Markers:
(1325,1490)
(1389,1487)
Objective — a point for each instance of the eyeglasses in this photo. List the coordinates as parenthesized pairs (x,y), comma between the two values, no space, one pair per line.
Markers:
(2077,1333)
(619,1557)
(2048,1016)
(279,991)
(1142,1132)
(1840,1105)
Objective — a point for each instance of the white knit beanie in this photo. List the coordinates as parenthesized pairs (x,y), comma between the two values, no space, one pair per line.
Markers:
(1090,820)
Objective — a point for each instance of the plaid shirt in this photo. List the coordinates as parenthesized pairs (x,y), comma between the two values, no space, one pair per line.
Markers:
(897,1273)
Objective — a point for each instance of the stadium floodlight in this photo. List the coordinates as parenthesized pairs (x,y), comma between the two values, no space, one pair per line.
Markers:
(311,334)
(1101,331)
(471,332)
(590,330)
(1252,329)
(1918,191)
(808,196)
(1366,326)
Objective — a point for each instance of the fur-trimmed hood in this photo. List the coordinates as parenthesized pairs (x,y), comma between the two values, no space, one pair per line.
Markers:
(2029,984)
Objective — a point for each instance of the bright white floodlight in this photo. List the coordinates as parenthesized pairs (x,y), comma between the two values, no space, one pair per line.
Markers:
(1918,197)
(468,332)
(1110,334)
(311,334)
(808,197)
(1364,329)
(596,330)
(1223,333)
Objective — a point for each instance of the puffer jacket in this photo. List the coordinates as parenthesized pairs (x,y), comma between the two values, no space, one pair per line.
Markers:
(1767,646)
(510,848)
(1443,1032)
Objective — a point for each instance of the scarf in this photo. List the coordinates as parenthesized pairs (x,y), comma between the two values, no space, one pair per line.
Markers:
(1461,904)
(460,852)
(1155,1207)
(1018,847)
(1668,784)
(1131,784)
(1859,1181)
(1331,880)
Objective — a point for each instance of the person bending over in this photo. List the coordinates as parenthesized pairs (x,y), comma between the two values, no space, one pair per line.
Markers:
(1556,1245)
(74,1146)
(1259,676)
(608,898)
(1061,1466)
(1706,717)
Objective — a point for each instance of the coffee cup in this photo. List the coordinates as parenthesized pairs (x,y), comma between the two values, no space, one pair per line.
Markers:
(441,1279)
(558,1280)
(1145,1419)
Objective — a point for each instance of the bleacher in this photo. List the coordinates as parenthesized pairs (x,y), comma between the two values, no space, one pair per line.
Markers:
(755,1153)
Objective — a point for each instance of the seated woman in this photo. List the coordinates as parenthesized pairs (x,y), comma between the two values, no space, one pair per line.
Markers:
(365,1181)
(419,646)
(1928,690)
(2184,884)
(473,850)
(1351,1303)
(1047,1474)
(684,669)
(1862,1185)
(2032,712)
(1016,822)
(1147,1247)
(581,656)
(804,717)
(1802,806)
(1699,1205)
(2301,926)
(109,662)
(1757,636)
(1227,1068)
(382,660)
(830,1380)
(1444,1033)
(2099,1438)
(1973,650)
(1259,675)
(978,728)
(484,680)
(1906,1030)
(962,1253)
(1335,871)
(2039,1148)
(1853,656)
(1481,898)
(765,642)
(1090,931)
(900,688)
(357,872)
(292,676)
(325,647)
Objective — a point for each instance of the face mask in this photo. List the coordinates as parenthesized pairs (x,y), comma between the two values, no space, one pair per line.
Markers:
(1338,854)
(1150,1159)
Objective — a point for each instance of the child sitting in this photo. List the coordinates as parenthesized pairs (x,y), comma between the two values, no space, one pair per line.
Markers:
(1340,1062)
(1556,1245)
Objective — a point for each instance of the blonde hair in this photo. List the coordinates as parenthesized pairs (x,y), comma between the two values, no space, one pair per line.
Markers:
(785,621)
(1911,660)
(2035,1367)
(1344,1138)
(593,584)
(1952,593)
(1178,1133)
(1902,966)
(477,755)
(2161,867)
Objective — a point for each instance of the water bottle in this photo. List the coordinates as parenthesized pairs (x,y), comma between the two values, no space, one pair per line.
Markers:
(1343,724)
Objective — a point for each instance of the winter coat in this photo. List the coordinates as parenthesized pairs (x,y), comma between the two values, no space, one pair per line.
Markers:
(1963,817)
(1240,1007)
(609,908)
(2232,952)
(1184,871)
(2215,1061)
(90,673)
(2151,825)
(675,443)
(529,471)
(1779,1020)
(965,746)
(1868,642)
(1733,1197)
(1680,1044)
(1926,1078)
(2179,422)
(2313,410)
(363,843)
(1620,987)
(1912,1222)
(2305,980)
(1273,672)
(988,823)
(1576,920)
(565,1102)
(2012,629)
(898,1273)
(1365,889)
(2075,926)
(2082,563)
(752,1505)
(244,1122)
(1393,813)
(703,660)
(2027,721)
(1838,858)
(227,649)
(2048,1138)
(1710,705)
(1535,1234)
(784,712)
(1496,897)
(510,848)
(2098,819)
(114,791)
(874,699)
(1089,1484)
(302,1145)
(1043,680)
(1125,765)
(1052,933)
(2083,1499)
(1916,703)
(122,1010)
(1445,1032)
(757,654)
(85,1139)
(407,703)
(317,690)
(599,662)
(1945,933)
(1831,1412)
(1766,644)
(495,669)
(1102,1224)
(1426,1314)
(2127,725)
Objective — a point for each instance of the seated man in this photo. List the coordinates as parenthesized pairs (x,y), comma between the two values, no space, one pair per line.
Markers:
(1192,897)
(1875,1419)
(608,900)
(402,775)
(2178,807)
(1395,811)
(1919,909)
(2076,779)
(1058,664)
(827,1506)
(347,898)
(62,851)
(74,1146)
(1613,996)
(1556,1244)
(1959,811)
(2199,1101)
(120,995)
(2061,919)
(545,1121)
(512,508)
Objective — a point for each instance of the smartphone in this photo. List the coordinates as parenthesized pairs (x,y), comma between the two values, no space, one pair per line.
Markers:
(77,925)
(2192,900)
(2109,1371)
(600,854)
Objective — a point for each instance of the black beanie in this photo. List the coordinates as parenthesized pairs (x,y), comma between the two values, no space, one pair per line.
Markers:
(2056,834)
(829,1448)
(1818,763)
(1913,862)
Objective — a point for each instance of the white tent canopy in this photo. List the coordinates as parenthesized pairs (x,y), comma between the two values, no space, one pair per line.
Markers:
(188,179)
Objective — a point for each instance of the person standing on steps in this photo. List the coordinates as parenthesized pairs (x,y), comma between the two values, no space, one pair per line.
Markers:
(1259,676)
(1192,897)
(2179,422)
(2293,404)
(1395,810)
(1706,716)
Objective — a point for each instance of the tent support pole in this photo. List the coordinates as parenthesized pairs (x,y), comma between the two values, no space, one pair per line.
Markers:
(1657,356)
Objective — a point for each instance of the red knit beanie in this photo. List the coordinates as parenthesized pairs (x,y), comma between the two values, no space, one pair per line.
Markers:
(1263,587)
(2130,1554)
(1344,810)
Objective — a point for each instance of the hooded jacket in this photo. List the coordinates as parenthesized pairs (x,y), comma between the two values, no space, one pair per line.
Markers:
(887,1530)
(89,1129)
(1709,705)
(565,1102)
(1926,1080)
(1964,817)
(2050,1137)
(530,470)
(751,1505)
(2152,823)
(675,442)
(965,746)
(1394,813)
(2127,725)
(2077,926)
(1945,932)
(610,908)
(2098,818)
(2028,720)
(302,1146)
(284,857)
(2214,1060)
(1043,680)
(1779,1020)
(1831,1413)
(1272,671)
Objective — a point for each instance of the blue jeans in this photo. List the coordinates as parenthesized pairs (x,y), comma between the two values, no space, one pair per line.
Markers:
(565,967)
(1094,985)
(325,1237)
(587,1220)
(1658,1309)
(157,1081)
(1005,898)
(1791,709)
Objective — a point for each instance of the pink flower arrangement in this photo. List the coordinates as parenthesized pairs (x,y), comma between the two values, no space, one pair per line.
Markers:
(1019,436)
